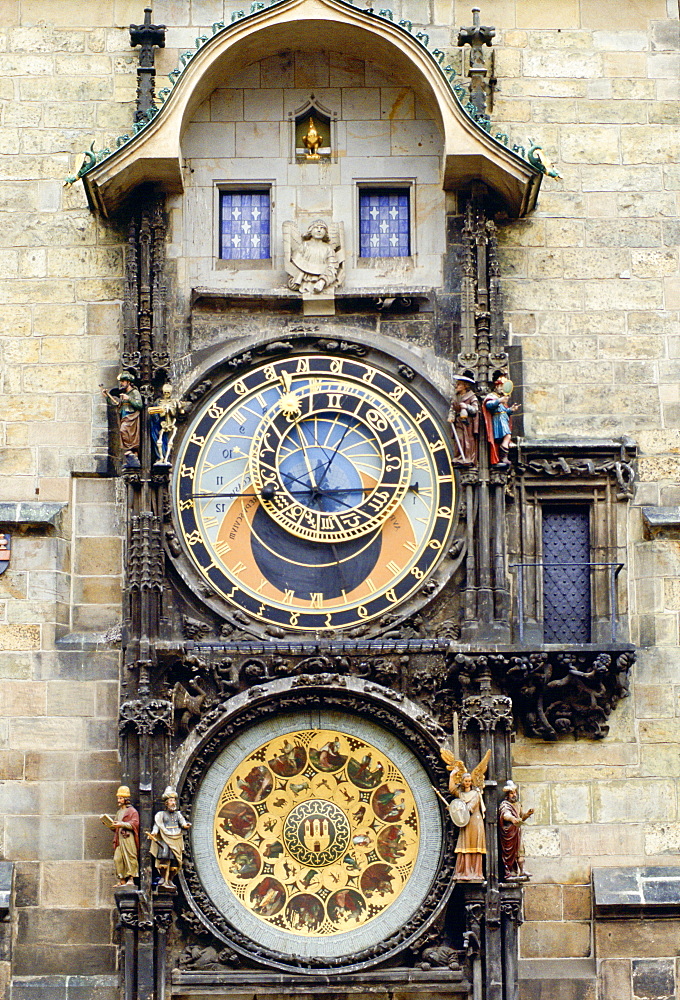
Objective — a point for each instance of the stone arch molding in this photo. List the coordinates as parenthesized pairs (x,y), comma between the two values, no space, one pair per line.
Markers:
(154,155)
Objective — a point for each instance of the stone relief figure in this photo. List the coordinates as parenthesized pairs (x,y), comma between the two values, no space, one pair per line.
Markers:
(128,402)
(510,822)
(167,838)
(163,423)
(464,421)
(125,826)
(467,812)
(497,410)
(315,259)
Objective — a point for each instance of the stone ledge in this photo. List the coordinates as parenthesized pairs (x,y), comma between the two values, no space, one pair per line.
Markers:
(36,514)
(380,298)
(661,520)
(89,640)
(65,988)
(380,985)
(630,893)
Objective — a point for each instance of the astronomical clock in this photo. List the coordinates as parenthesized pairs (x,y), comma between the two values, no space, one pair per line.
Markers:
(314,492)
(322,640)
(313,495)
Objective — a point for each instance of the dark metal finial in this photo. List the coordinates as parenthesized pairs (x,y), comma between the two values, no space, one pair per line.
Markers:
(477,36)
(149,37)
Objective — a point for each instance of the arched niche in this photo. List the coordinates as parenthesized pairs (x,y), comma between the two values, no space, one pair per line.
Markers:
(155,154)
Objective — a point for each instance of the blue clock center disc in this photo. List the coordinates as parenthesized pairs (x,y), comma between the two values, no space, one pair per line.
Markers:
(318,476)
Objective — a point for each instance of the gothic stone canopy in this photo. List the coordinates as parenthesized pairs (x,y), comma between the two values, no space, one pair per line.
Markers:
(155,153)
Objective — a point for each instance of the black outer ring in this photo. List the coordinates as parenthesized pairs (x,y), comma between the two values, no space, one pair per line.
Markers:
(367,701)
(393,359)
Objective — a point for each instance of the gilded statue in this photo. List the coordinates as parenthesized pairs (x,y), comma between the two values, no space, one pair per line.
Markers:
(464,420)
(163,423)
(511,819)
(128,401)
(167,838)
(312,141)
(497,410)
(125,826)
(467,810)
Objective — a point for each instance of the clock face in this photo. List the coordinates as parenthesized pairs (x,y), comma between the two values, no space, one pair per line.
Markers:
(317,834)
(315,492)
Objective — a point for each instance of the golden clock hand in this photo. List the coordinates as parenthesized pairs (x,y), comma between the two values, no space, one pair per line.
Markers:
(304,452)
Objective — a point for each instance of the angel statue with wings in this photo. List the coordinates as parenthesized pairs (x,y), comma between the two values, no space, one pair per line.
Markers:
(314,260)
(467,811)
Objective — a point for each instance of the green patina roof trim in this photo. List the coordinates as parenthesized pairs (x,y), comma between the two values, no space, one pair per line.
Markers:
(438,56)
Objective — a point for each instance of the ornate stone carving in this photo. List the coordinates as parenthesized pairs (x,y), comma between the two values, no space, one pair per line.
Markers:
(315,258)
(145,717)
(573,467)
(192,628)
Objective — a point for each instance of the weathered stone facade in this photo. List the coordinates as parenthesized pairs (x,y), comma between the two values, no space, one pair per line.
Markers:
(592,297)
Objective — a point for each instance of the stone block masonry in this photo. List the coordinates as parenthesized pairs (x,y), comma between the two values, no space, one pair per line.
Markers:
(592,288)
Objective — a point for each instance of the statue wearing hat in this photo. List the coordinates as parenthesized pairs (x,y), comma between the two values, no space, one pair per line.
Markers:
(464,420)
(125,826)
(128,401)
(510,822)
(497,411)
(167,838)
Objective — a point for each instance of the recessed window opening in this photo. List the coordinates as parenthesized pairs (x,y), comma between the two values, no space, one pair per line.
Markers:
(566,573)
(245,224)
(384,222)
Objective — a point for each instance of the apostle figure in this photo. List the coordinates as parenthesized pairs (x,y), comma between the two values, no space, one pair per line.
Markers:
(125,828)
(510,822)
(464,420)
(168,838)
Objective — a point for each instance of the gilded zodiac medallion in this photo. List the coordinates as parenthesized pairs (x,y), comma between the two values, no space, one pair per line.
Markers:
(316,832)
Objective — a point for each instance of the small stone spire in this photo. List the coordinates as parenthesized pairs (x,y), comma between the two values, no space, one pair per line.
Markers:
(149,36)
(476,37)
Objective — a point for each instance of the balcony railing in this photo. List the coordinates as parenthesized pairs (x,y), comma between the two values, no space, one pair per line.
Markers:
(570,598)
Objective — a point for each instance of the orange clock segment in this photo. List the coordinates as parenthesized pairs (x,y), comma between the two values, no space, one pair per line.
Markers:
(315,492)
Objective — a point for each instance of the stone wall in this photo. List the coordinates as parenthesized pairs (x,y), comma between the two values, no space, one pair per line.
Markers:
(384,135)
(592,293)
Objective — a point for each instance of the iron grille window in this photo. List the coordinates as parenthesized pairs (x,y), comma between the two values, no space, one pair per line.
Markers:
(384,223)
(566,574)
(245,218)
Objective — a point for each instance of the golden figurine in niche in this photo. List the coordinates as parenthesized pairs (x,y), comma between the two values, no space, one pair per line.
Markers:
(312,141)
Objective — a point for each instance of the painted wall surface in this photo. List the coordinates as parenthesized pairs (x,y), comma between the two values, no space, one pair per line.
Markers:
(592,291)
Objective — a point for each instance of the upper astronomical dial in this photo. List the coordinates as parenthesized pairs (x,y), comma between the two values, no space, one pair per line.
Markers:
(315,492)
